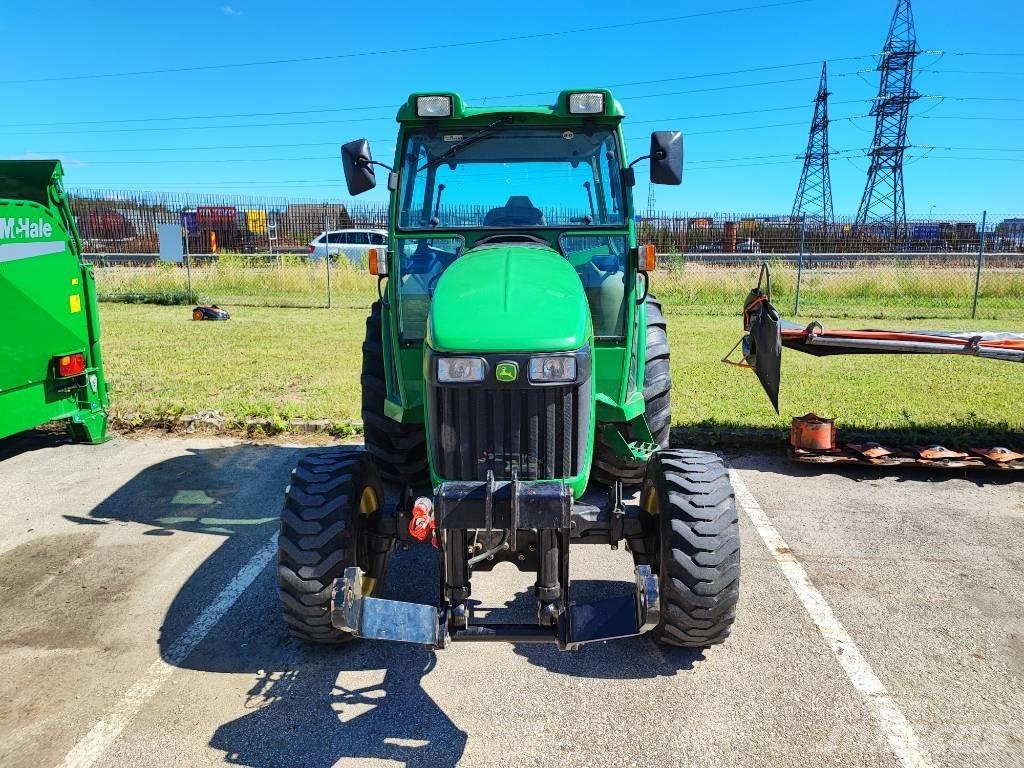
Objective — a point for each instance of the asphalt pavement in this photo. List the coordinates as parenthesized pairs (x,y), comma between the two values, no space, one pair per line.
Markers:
(880,624)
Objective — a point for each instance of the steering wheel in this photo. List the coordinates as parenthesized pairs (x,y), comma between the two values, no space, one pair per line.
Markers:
(513,238)
(583,257)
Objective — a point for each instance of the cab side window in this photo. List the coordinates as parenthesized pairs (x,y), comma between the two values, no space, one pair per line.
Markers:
(421,262)
(600,261)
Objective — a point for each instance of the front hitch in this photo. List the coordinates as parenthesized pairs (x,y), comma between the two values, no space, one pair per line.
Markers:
(541,513)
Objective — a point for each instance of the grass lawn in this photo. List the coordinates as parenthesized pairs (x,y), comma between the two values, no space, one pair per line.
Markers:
(304,363)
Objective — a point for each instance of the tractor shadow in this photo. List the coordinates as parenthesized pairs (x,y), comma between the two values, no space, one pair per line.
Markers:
(634,658)
(306,705)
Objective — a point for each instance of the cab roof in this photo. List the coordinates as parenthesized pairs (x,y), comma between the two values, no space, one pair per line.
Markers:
(557,112)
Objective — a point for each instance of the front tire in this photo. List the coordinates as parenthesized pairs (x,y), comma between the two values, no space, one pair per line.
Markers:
(689,506)
(332,500)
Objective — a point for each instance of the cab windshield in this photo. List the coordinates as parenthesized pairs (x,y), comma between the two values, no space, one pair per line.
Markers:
(507,178)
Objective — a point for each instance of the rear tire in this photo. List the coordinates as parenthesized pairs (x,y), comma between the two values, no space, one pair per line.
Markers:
(688,503)
(399,450)
(332,495)
(608,467)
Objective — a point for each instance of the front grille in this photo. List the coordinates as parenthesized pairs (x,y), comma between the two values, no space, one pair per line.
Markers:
(540,431)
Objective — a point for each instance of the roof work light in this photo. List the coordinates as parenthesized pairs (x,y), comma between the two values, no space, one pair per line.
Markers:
(586,103)
(433,106)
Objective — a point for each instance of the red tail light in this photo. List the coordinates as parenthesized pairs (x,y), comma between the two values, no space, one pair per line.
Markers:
(311,249)
(70,365)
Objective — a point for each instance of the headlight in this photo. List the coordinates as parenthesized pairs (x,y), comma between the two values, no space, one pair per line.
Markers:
(553,368)
(433,106)
(586,103)
(452,370)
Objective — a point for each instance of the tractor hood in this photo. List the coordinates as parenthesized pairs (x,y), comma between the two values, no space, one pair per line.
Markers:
(509,298)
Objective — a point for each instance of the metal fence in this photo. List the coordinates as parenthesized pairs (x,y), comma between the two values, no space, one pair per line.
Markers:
(254,251)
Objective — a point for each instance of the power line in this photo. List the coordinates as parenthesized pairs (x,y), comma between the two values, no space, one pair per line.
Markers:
(301,182)
(307,144)
(290,124)
(964,117)
(412,49)
(482,99)
(655,81)
(690,162)
(970,72)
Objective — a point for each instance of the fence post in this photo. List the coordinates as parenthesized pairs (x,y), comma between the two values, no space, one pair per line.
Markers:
(327,262)
(799,267)
(188,266)
(981,258)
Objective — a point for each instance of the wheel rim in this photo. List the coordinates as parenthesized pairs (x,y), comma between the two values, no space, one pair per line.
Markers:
(369,503)
(649,500)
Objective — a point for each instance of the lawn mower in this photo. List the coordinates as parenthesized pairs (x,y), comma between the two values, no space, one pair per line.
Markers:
(515,395)
(211,312)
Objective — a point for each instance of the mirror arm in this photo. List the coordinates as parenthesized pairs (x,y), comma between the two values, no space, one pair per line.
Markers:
(362,161)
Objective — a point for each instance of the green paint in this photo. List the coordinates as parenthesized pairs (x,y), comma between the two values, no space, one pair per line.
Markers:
(522,299)
(518,297)
(47,308)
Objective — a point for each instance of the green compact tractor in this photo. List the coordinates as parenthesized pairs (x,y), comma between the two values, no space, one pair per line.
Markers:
(515,385)
(50,363)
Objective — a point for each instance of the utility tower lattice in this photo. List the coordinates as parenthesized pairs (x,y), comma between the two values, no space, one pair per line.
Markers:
(814,193)
(650,199)
(883,200)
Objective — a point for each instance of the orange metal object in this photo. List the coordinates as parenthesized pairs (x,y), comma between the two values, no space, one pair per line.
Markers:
(421,522)
(813,433)
(870,450)
(998,454)
(937,452)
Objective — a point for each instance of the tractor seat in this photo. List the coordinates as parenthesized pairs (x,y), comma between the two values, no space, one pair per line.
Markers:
(517,212)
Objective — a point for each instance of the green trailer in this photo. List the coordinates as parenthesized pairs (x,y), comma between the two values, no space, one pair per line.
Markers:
(51,368)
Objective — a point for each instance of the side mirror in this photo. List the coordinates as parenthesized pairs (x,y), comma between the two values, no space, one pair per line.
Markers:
(667,157)
(357,162)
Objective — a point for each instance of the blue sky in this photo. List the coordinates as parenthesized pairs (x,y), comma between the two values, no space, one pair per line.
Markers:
(734,162)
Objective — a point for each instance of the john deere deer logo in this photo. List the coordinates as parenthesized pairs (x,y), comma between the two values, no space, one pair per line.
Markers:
(506,372)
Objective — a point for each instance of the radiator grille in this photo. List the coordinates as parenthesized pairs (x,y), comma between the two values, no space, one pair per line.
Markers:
(541,431)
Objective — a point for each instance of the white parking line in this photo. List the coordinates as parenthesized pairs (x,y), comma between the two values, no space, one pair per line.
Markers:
(890,719)
(92,746)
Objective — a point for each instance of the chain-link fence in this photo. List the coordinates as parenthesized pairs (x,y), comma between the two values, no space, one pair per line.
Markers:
(257,251)
(949,267)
